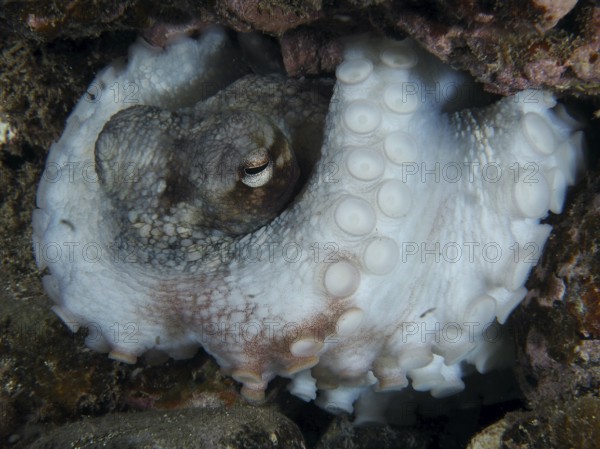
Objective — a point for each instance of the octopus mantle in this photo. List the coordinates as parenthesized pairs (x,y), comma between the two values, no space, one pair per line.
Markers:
(395,265)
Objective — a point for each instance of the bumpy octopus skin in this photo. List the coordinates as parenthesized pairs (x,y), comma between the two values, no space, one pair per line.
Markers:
(378,260)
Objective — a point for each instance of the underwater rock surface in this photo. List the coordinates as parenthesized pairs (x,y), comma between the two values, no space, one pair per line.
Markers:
(565,297)
(240,427)
(510,46)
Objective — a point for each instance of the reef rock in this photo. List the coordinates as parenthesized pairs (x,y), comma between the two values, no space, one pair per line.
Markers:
(222,428)
(558,326)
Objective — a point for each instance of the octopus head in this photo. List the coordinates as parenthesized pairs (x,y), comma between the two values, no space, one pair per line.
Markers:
(232,171)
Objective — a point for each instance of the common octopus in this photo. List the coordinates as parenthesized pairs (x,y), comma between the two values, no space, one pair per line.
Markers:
(190,204)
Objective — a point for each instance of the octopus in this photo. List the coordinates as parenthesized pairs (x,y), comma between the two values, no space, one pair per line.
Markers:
(368,241)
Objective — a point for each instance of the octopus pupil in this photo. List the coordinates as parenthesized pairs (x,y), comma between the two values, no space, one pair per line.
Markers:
(256,170)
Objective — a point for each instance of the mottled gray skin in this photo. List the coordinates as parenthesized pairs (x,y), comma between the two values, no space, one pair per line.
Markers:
(220,169)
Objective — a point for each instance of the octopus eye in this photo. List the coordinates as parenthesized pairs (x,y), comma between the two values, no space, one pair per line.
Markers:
(257,168)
